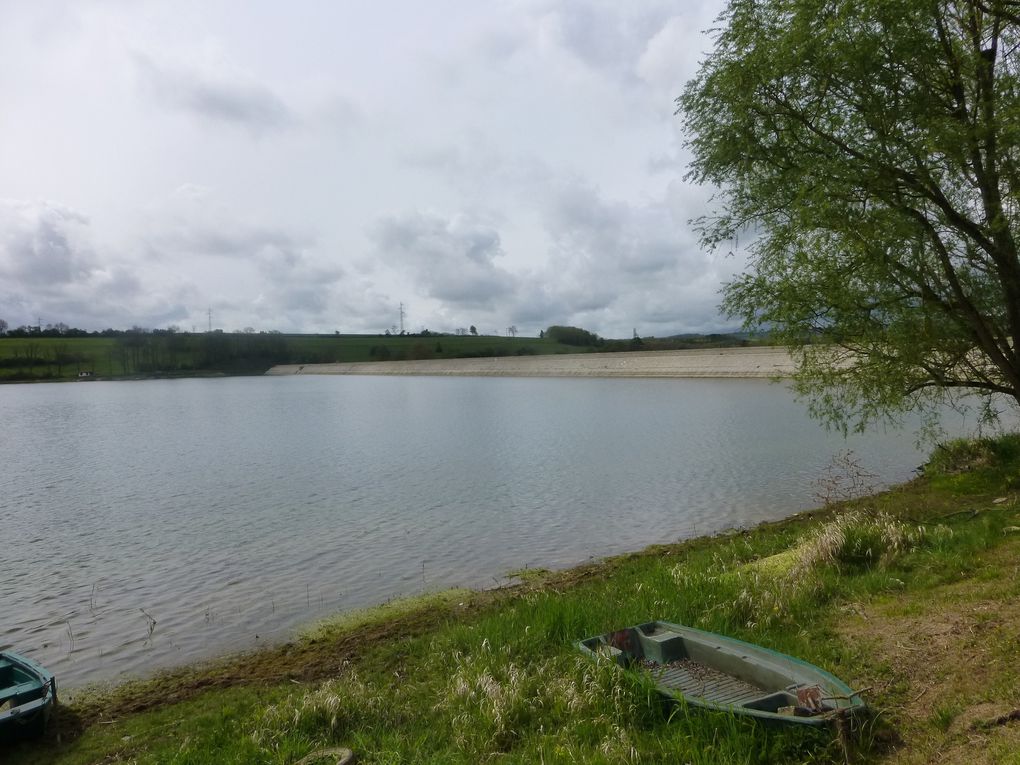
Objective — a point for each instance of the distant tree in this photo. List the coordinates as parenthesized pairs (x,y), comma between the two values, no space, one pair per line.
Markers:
(473,330)
(3,327)
(572,336)
(33,353)
(421,351)
(61,356)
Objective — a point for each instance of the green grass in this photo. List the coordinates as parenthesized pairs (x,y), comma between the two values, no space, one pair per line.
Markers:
(186,354)
(31,358)
(495,676)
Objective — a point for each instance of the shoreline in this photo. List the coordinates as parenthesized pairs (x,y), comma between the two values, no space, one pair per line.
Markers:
(751,363)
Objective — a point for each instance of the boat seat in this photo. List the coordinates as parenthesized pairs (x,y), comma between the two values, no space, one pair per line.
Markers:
(772,702)
(4,664)
(17,690)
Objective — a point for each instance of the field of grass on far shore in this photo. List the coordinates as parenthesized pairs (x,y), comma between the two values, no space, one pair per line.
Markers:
(182,354)
(910,596)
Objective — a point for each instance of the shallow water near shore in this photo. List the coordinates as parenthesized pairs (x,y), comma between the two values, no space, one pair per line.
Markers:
(153,523)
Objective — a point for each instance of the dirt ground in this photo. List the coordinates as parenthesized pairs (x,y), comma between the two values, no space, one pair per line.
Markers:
(757,362)
(956,658)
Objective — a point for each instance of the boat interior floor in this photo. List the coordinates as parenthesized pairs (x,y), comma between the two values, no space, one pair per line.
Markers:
(694,678)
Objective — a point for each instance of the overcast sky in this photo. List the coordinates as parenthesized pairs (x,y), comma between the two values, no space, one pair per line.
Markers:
(310,165)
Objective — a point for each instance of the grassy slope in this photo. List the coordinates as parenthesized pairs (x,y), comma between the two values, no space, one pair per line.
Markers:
(931,628)
(101,354)
(108,356)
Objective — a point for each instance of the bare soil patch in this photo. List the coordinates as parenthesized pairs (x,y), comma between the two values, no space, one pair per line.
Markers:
(946,667)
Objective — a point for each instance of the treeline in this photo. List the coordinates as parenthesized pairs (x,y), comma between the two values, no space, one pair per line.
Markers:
(61,352)
(575,336)
(170,352)
(40,357)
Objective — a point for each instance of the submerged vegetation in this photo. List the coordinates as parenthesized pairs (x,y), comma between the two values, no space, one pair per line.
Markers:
(909,596)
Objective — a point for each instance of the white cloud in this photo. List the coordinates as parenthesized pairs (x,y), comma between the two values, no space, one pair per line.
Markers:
(49,268)
(453,260)
(215,95)
(285,167)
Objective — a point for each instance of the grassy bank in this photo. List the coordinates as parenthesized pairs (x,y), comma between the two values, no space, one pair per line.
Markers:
(911,595)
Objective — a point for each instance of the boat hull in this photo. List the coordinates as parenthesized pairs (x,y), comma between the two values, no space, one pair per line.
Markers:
(725,674)
(28,694)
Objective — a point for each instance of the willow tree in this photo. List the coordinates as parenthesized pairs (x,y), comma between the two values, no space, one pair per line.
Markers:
(871,151)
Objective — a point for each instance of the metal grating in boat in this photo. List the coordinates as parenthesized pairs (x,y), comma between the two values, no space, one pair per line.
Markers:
(695,679)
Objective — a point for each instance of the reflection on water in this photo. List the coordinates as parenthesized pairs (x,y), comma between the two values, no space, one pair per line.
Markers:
(150,523)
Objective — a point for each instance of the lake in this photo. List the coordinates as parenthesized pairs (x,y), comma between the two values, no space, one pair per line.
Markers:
(151,523)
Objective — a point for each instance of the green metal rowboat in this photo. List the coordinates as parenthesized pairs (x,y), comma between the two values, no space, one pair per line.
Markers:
(28,693)
(721,673)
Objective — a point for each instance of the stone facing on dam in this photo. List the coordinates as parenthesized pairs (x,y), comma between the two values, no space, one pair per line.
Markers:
(719,362)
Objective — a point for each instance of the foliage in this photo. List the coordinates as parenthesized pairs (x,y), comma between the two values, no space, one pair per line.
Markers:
(965,454)
(572,336)
(872,147)
(183,353)
(845,478)
(857,540)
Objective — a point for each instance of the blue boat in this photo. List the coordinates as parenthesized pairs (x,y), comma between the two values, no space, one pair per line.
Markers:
(28,694)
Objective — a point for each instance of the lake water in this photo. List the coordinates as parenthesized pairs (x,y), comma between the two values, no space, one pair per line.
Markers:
(150,523)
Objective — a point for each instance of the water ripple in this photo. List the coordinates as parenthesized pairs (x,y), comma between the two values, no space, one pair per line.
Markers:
(157,522)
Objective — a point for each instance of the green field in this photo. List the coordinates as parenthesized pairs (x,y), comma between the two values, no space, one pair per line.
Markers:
(149,354)
(912,597)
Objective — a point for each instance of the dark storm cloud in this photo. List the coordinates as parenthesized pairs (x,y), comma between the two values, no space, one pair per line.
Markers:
(217,98)
(451,259)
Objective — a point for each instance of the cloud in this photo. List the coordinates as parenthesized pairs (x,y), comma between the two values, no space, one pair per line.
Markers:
(229,98)
(541,130)
(42,245)
(613,264)
(453,259)
(605,236)
(607,37)
(225,239)
(671,55)
(273,270)
(50,269)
